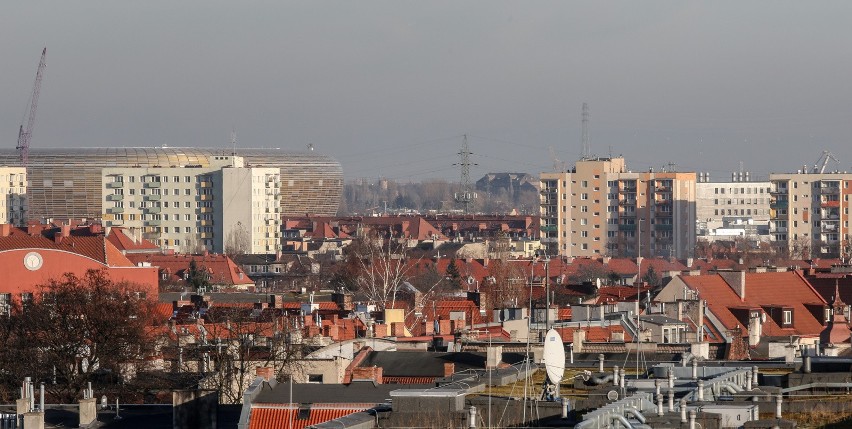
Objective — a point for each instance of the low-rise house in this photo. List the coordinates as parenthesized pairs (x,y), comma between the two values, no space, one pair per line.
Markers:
(772,310)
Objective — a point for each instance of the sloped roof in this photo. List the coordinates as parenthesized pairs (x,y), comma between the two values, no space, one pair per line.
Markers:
(222,270)
(125,244)
(762,290)
(280,416)
(94,247)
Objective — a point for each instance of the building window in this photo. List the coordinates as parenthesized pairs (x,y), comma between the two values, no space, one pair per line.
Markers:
(788,317)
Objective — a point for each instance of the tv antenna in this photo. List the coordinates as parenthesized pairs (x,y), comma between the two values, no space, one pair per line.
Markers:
(587,149)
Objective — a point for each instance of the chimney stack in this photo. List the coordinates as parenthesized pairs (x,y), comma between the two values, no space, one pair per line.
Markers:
(5,229)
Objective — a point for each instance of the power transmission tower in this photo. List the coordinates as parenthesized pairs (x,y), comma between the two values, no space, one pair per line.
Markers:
(25,134)
(587,149)
(466,195)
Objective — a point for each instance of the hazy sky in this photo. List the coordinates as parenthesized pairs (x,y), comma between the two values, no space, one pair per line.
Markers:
(389,87)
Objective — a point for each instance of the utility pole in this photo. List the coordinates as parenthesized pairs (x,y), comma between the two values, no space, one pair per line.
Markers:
(466,195)
(25,134)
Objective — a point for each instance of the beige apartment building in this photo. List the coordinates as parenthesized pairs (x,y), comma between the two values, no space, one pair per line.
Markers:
(223,207)
(13,195)
(602,208)
(809,213)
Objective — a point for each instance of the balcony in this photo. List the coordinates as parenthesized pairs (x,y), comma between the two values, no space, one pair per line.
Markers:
(829,226)
(549,240)
(627,202)
(662,213)
(152,222)
(151,197)
(625,213)
(829,190)
(152,210)
(206,197)
(549,191)
(661,189)
(115,197)
(832,203)
(663,202)
(114,185)
(206,222)
(549,228)
(774,190)
(150,235)
(626,227)
(151,185)
(206,235)
(663,227)
(115,209)
(207,210)
(115,223)
(778,229)
(778,204)
(205,184)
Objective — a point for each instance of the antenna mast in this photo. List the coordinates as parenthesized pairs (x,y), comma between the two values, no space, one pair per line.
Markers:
(233,142)
(25,134)
(466,196)
(587,149)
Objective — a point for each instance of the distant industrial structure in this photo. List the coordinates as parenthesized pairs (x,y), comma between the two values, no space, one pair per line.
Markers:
(66,183)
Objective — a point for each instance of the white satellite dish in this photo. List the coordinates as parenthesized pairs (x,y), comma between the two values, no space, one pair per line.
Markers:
(554,356)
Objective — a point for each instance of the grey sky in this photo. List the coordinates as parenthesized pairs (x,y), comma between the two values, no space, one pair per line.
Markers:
(389,87)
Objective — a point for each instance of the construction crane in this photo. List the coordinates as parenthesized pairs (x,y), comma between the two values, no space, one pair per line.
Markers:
(25,134)
(822,162)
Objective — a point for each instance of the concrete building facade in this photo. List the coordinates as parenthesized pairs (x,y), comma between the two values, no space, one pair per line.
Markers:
(66,183)
(809,213)
(601,208)
(221,207)
(724,209)
(13,195)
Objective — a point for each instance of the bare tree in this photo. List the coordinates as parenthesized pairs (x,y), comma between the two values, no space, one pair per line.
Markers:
(238,341)
(238,240)
(76,330)
(382,270)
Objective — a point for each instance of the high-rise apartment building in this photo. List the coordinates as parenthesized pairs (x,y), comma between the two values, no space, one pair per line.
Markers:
(738,204)
(601,208)
(13,195)
(809,213)
(222,207)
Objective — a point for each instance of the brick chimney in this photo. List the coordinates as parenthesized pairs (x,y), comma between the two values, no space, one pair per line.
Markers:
(449,369)
(5,229)
(266,372)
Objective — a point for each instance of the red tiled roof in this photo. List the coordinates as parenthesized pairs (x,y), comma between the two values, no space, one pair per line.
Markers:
(94,247)
(122,242)
(408,380)
(223,271)
(594,334)
(762,291)
(284,416)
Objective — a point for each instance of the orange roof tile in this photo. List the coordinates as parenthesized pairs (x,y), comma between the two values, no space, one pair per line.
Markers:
(285,416)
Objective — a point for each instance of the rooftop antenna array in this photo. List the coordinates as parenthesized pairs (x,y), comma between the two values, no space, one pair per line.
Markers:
(25,134)
(466,195)
(587,148)
(823,160)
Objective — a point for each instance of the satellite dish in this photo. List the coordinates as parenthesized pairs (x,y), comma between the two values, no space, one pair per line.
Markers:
(554,356)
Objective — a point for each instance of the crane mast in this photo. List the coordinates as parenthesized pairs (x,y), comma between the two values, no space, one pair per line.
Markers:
(25,134)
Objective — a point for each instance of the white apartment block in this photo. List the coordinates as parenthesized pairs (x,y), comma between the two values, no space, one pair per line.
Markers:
(191,209)
(13,195)
(809,213)
(732,205)
(601,208)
